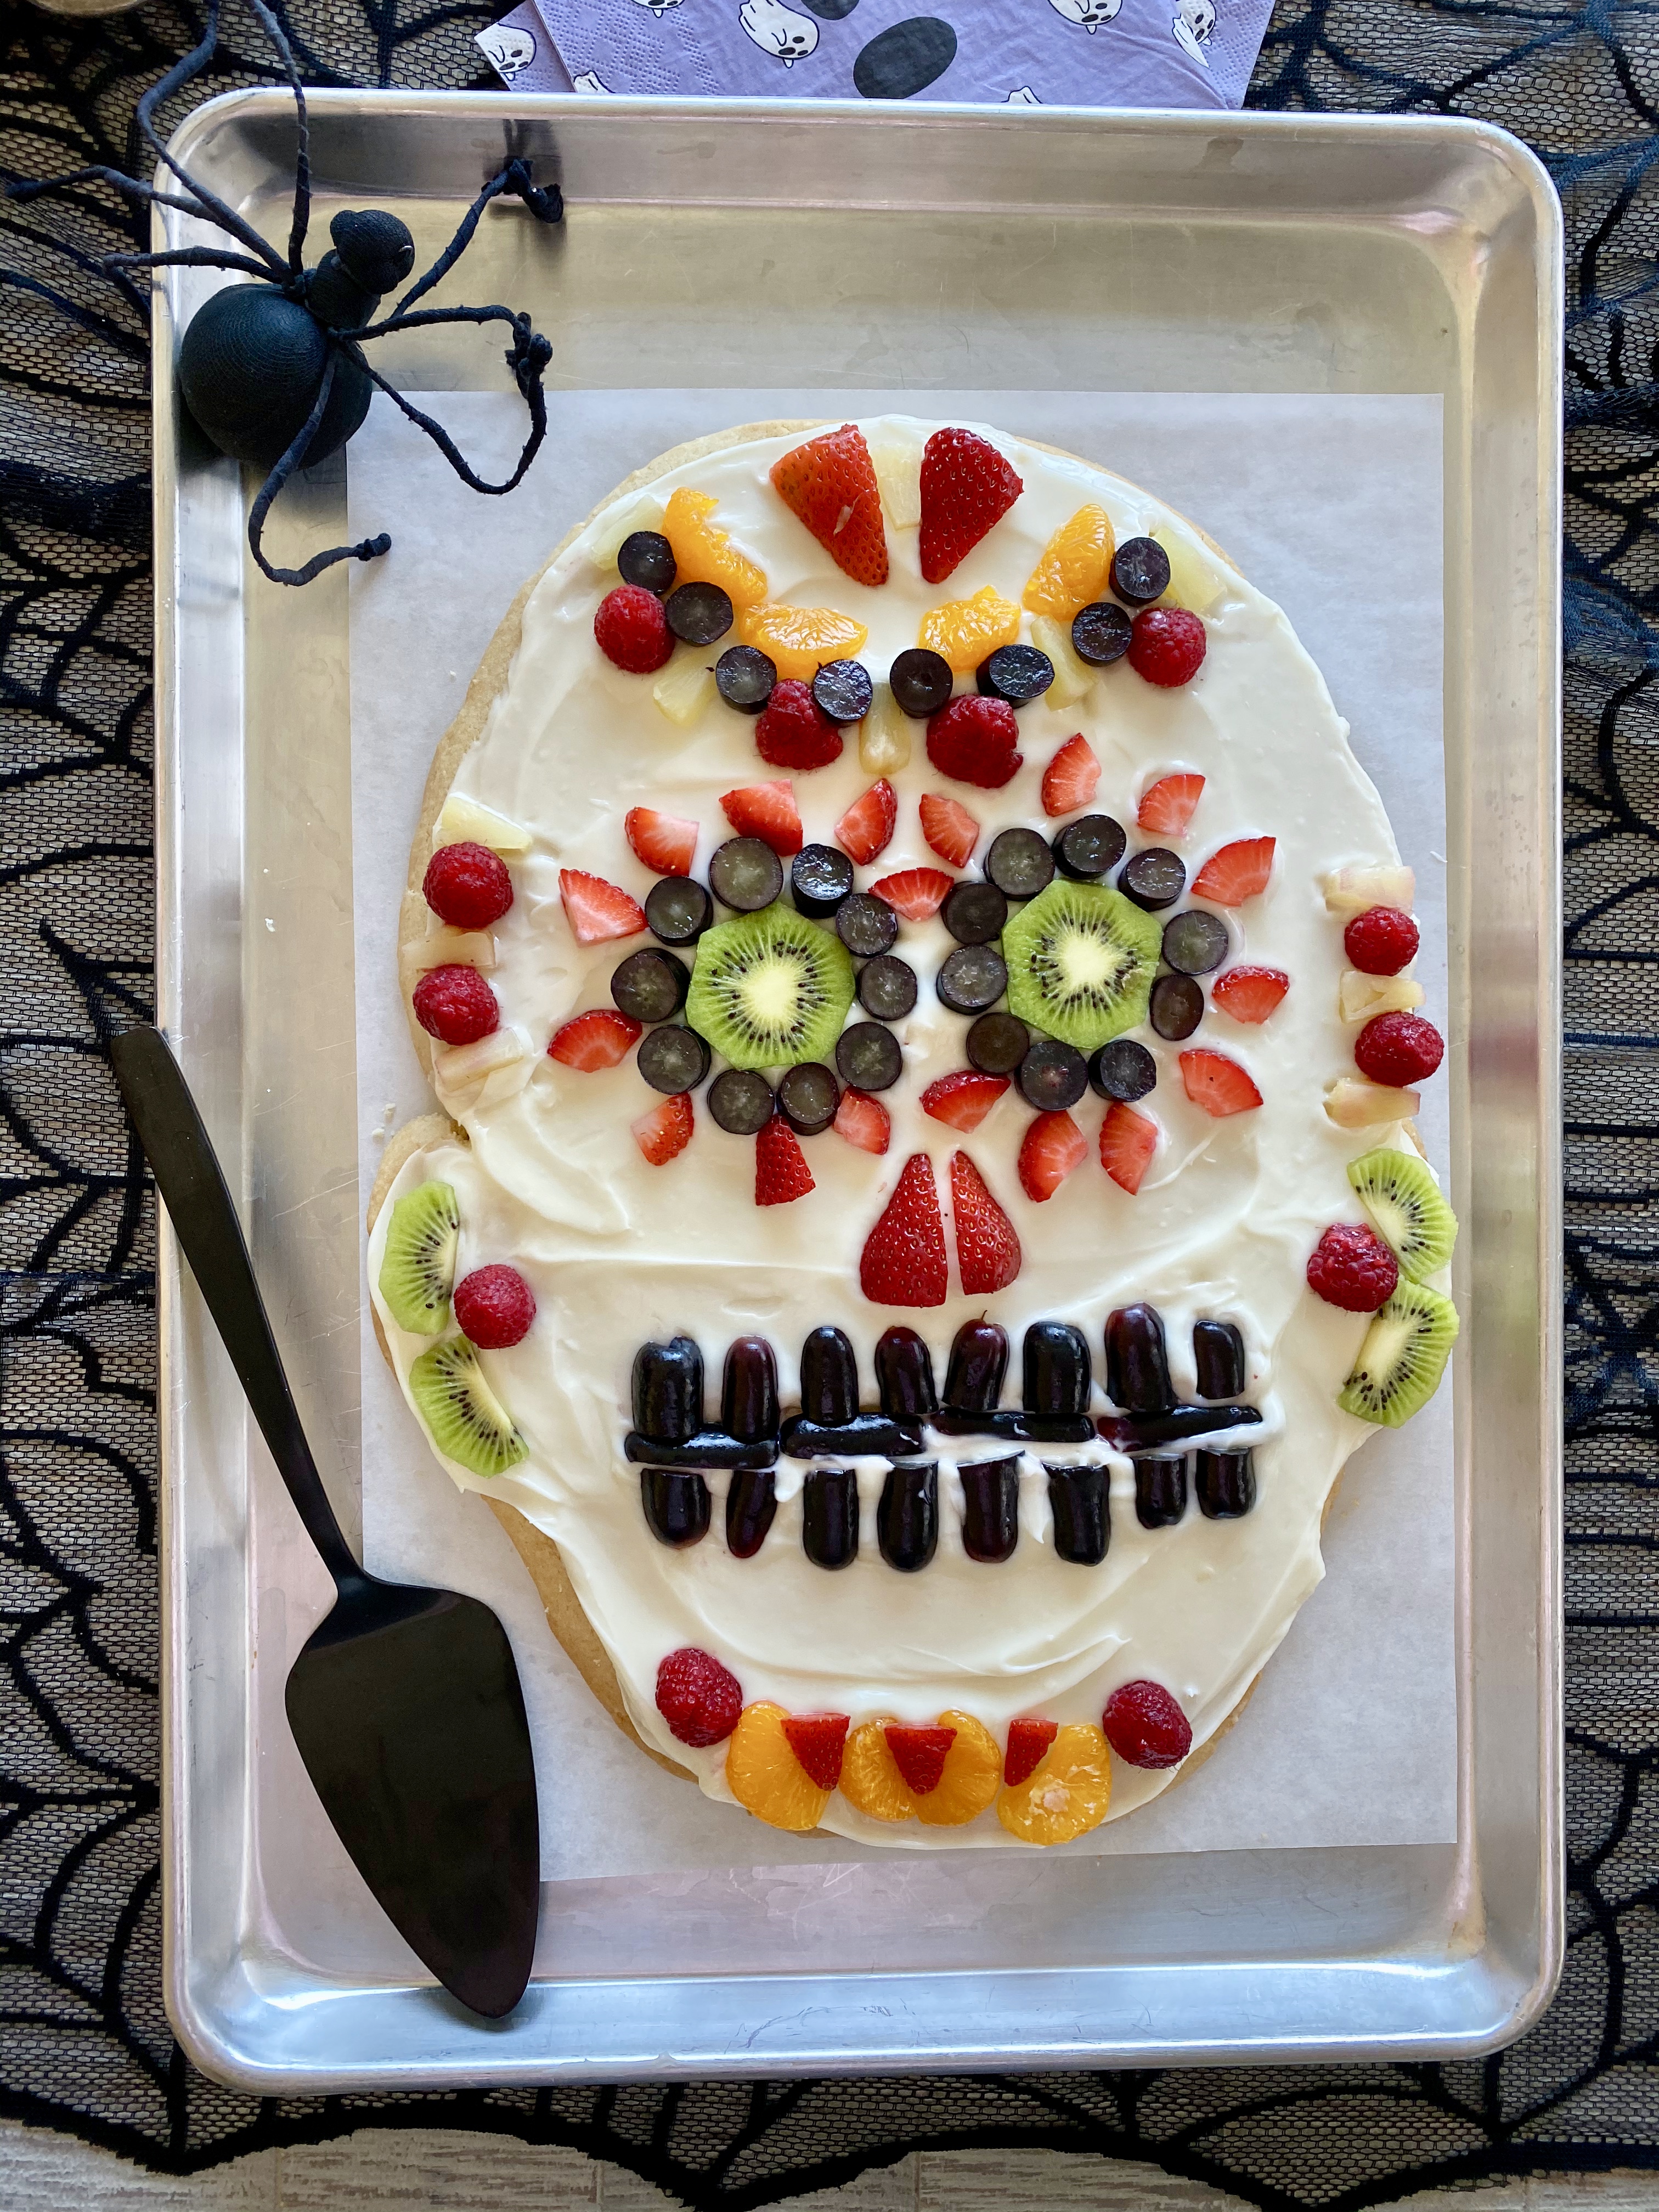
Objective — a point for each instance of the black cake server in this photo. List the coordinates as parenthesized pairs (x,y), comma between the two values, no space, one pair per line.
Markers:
(405,1704)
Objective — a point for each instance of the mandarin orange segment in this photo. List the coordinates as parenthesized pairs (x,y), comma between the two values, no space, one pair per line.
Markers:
(973,1770)
(965,630)
(871,1780)
(1066,1794)
(704,553)
(765,1775)
(1075,565)
(799,639)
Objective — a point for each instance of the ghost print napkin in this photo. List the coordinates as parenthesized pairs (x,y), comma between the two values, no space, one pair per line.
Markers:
(1094,53)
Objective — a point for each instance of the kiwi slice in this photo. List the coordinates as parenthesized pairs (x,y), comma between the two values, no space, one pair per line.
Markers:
(468,1422)
(1081,959)
(417,1267)
(770,989)
(1403,1357)
(1403,1199)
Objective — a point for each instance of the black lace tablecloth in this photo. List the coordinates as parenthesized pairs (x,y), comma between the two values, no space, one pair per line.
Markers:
(83,2043)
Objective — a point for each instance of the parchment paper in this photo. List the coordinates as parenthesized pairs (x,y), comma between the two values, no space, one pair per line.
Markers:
(1331,505)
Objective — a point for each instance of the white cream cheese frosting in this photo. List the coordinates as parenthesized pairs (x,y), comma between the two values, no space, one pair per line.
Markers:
(617,1251)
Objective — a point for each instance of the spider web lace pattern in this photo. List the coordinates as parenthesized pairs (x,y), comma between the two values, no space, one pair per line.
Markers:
(83,2043)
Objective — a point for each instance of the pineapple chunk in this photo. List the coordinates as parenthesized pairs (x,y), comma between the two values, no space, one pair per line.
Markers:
(686,687)
(637,514)
(1353,1104)
(460,948)
(1193,583)
(898,473)
(1073,679)
(1362,996)
(484,1073)
(1351,890)
(884,735)
(465,821)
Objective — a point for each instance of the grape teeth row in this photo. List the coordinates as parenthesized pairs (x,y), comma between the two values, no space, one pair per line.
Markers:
(671,1441)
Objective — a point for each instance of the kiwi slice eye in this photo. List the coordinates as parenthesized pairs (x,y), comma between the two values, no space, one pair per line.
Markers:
(1402,1197)
(467,1421)
(1081,959)
(1403,1357)
(418,1265)
(770,989)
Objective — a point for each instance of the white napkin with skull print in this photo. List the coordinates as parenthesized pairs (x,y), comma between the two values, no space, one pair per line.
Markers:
(1035,53)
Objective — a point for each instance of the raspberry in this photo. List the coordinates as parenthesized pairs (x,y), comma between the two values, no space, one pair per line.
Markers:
(456,1006)
(1380,941)
(794,731)
(1166,645)
(698,1698)
(494,1306)
(467,886)
(633,630)
(1351,1267)
(1398,1049)
(975,740)
(1145,1727)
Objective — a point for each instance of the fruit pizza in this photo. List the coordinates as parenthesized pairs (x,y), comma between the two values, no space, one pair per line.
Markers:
(926,1200)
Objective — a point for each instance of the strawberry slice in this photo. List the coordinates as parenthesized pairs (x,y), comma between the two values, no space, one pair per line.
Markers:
(1053,1147)
(781,1174)
(597,910)
(1218,1085)
(867,826)
(963,1101)
(830,484)
(949,828)
(864,1121)
(1127,1141)
(1237,872)
(1166,806)
(917,893)
(1071,778)
(987,1246)
(1027,1742)
(818,1740)
(1250,994)
(904,1262)
(664,842)
(665,1131)
(966,489)
(602,1039)
(918,1753)
(766,811)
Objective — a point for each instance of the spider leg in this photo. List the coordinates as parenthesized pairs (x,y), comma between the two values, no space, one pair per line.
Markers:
(368,549)
(24,188)
(529,375)
(545,204)
(297,236)
(212,207)
(189,257)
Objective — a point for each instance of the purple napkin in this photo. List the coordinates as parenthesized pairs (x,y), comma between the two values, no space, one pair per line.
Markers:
(521,53)
(1091,53)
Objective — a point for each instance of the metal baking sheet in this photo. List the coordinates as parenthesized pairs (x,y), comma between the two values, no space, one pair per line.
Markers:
(724,244)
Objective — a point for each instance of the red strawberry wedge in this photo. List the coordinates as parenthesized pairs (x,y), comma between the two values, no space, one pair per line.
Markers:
(781,1174)
(916,893)
(830,484)
(766,811)
(596,910)
(904,1262)
(966,489)
(1218,1085)
(793,730)
(603,1038)
(976,740)
(962,1101)
(1166,806)
(1071,778)
(864,1121)
(866,828)
(919,1754)
(818,1740)
(1127,1141)
(1250,994)
(664,1132)
(988,1246)
(1028,1742)
(1237,872)
(949,828)
(1053,1147)
(666,843)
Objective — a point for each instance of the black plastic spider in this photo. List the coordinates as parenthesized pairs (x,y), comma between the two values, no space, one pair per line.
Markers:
(274,372)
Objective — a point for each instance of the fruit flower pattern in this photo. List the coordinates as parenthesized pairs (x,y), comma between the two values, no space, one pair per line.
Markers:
(937,948)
